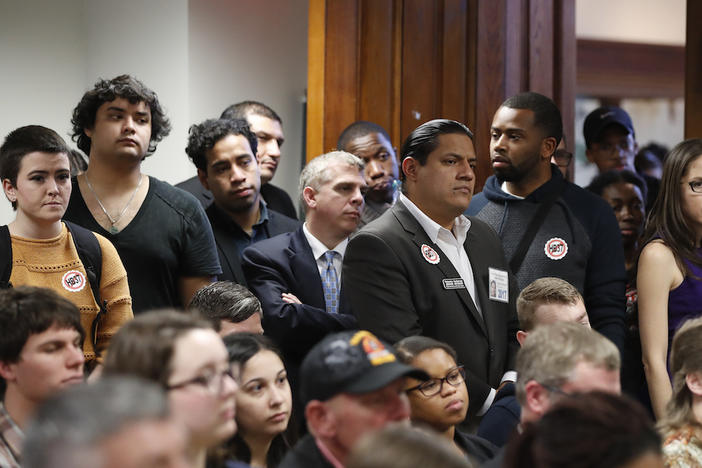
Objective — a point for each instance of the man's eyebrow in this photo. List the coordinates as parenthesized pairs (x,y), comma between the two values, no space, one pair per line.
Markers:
(116,108)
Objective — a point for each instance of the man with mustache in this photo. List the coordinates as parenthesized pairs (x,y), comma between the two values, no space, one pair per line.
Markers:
(297,275)
(371,143)
(267,125)
(423,268)
(41,353)
(549,226)
(223,151)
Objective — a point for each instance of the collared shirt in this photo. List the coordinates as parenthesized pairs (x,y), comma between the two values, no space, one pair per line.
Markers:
(11,439)
(450,243)
(319,249)
(242,239)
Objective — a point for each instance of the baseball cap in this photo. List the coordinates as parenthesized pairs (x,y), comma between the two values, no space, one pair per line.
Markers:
(600,118)
(351,362)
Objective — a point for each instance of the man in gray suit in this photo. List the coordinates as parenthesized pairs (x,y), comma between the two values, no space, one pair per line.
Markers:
(424,268)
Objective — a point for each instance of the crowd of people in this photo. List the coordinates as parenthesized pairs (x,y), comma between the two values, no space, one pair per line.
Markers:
(399,319)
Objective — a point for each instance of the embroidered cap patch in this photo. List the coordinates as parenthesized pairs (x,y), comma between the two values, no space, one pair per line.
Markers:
(556,248)
(430,254)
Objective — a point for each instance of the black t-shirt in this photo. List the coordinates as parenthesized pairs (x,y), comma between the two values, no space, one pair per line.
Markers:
(170,237)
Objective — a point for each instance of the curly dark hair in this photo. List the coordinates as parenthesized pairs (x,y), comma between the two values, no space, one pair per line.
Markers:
(126,87)
(202,138)
(604,180)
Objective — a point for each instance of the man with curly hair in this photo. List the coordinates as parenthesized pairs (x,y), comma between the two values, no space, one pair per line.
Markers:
(224,152)
(161,233)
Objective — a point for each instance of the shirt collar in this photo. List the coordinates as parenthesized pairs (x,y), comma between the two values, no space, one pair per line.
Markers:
(461,224)
(318,248)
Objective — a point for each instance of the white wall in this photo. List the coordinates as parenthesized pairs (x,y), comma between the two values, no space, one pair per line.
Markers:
(198,55)
(648,21)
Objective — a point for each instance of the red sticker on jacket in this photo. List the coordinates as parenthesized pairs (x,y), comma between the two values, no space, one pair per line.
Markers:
(556,248)
(430,254)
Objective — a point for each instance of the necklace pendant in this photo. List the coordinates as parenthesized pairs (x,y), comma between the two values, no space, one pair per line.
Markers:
(113,230)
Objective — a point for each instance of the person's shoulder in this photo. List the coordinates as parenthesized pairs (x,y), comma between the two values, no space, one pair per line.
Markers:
(580,199)
(282,219)
(178,199)
(274,244)
(658,252)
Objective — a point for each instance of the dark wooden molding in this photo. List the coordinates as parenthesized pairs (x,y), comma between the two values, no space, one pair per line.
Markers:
(693,72)
(622,69)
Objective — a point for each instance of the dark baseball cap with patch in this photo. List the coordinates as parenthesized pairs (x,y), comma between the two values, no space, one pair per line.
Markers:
(602,117)
(351,362)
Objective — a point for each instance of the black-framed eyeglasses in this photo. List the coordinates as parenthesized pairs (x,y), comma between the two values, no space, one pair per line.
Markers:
(212,382)
(554,389)
(695,186)
(433,386)
(562,157)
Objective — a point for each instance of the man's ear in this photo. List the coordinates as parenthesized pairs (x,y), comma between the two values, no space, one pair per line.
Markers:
(310,196)
(320,420)
(409,168)
(202,175)
(548,147)
(10,191)
(537,397)
(7,371)
(521,336)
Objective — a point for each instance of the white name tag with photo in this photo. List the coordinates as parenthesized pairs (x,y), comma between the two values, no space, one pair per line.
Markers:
(498,285)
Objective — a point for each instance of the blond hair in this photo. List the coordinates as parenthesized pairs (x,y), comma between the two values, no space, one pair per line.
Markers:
(548,290)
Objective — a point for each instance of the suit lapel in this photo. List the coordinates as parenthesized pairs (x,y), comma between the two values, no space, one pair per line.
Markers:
(304,268)
(444,268)
(480,274)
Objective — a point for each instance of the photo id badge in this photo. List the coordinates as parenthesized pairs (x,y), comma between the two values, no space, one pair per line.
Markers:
(498,285)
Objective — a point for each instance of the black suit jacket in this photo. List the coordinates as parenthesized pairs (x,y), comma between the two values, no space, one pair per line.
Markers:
(395,292)
(224,228)
(285,263)
(195,187)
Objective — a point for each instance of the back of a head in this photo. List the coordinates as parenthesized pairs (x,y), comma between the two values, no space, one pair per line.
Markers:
(425,139)
(68,428)
(405,447)
(144,347)
(547,116)
(547,290)
(225,300)
(241,110)
(590,430)
(685,358)
(358,129)
(550,353)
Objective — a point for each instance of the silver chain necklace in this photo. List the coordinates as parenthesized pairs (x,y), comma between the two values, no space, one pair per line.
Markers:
(113,221)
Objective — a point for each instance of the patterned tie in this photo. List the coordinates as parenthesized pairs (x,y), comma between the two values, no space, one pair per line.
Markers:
(330,282)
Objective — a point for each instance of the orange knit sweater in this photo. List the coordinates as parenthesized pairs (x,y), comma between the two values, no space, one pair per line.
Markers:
(54,263)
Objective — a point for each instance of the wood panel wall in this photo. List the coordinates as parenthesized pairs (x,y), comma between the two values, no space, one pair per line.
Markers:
(693,71)
(400,63)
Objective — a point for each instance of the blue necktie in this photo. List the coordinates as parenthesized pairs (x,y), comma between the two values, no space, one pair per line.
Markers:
(330,283)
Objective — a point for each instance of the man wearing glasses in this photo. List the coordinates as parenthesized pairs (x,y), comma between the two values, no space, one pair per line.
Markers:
(560,360)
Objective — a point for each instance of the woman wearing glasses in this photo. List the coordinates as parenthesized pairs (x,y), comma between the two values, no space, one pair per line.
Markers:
(441,402)
(669,278)
(184,355)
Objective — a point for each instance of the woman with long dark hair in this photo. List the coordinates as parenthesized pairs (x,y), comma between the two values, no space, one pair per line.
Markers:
(669,276)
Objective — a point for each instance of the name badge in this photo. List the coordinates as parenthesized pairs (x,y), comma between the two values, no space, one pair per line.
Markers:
(498,285)
(453,283)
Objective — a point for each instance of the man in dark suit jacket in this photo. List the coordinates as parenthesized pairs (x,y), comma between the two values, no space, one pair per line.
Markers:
(286,272)
(223,152)
(423,268)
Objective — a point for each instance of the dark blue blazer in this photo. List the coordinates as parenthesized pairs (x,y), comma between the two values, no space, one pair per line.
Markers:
(285,263)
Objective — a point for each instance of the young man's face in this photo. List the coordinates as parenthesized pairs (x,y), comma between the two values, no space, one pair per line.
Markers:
(49,361)
(381,164)
(614,150)
(515,144)
(232,174)
(122,130)
(270,137)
